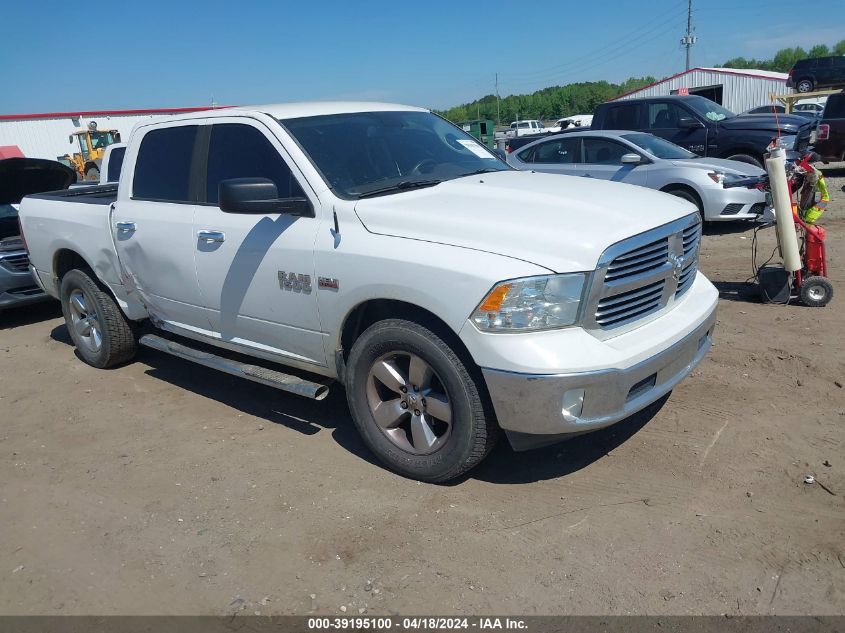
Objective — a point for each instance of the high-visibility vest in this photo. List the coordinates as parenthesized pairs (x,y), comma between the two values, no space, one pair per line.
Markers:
(812,215)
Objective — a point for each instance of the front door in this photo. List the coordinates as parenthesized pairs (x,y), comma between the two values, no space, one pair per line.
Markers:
(603,159)
(255,271)
(663,120)
(152,224)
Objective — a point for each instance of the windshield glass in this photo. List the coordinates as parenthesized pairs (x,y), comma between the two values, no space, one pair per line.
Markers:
(363,152)
(99,140)
(656,146)
(709,109)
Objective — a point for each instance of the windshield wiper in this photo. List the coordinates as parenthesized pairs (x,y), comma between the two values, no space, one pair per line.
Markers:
(403,185)
(486,170)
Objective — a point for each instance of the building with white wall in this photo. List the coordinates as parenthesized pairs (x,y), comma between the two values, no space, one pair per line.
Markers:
(737,89)
(45,135)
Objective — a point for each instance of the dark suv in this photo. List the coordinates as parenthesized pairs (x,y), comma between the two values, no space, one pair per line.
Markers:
(817,72)
(830,144)
(704,127)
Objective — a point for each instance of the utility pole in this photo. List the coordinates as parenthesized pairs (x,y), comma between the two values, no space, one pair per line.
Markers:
(498,116)
(689,39)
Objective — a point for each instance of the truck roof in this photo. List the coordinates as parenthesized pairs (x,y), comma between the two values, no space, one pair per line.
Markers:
(309,108)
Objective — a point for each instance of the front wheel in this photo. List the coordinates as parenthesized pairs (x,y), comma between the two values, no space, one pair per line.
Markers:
(745,158)
(689,196)
(100,331)
(415,402)
(816,292)
(92,174)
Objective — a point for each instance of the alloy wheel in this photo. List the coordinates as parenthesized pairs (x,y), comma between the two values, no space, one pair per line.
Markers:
(409,403)
(84,320)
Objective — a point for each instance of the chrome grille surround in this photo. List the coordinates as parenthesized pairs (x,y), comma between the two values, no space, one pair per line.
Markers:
(17,262)
(641,277)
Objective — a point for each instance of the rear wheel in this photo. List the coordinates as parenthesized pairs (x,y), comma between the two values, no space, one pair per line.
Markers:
(415,403)
(745,158)
(816,292)
(805,85)
(101,333)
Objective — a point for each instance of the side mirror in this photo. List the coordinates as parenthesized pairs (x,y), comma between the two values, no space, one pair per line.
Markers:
(259,196)
(631,159)
(688,123)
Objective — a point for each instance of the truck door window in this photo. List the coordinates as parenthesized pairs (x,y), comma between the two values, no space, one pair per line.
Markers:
(115,162)
(600,151)
(663,116)
(242,151)
(163,165)
(623,117)
(561,152)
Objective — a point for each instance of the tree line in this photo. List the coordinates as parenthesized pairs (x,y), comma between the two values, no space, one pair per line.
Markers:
(785,58)
(556,102)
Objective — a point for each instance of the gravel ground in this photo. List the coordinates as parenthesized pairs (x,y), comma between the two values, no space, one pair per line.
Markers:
(165,488)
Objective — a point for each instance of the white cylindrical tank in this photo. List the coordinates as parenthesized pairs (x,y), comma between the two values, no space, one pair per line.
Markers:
(782,203)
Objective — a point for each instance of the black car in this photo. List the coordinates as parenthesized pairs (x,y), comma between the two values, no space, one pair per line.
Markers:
(706,128)
(817,72)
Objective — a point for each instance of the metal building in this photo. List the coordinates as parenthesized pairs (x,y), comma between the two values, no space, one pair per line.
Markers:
(46,135)
(737,89)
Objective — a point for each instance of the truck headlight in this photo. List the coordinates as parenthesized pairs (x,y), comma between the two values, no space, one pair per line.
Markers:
(783,142)
(531,303)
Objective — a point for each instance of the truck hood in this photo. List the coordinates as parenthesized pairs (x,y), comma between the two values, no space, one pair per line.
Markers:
(562,223)
(788,123)
(20,177)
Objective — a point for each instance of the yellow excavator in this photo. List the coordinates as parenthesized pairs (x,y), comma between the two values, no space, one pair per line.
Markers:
(92,145)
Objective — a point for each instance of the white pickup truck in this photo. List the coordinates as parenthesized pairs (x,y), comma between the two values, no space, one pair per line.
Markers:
(381,247)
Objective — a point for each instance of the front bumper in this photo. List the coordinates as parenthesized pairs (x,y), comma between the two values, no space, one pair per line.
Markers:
(736,203)
(17,287)
(531,407)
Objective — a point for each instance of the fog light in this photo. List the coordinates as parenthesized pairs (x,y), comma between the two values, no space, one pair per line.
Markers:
(571,404)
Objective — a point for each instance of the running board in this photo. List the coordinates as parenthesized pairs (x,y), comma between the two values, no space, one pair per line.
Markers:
(277,379)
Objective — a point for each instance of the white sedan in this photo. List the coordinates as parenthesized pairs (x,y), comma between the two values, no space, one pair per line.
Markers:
(649,161)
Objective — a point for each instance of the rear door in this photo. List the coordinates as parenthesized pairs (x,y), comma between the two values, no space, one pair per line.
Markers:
(256,273)
(663,119)
(602,158)
(556,156)
(152,223)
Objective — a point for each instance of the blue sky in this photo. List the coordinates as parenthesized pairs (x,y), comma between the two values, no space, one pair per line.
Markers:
(59,55)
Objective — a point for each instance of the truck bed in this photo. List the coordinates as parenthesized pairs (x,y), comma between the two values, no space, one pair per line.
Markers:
(95,194)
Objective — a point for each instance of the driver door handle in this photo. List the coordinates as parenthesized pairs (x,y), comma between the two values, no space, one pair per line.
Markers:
(211,237)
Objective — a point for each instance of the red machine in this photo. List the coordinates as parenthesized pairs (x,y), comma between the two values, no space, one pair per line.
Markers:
(810,283)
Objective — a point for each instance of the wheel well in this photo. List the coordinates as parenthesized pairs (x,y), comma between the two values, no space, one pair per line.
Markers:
(66,260)
(369,312)
(687,188)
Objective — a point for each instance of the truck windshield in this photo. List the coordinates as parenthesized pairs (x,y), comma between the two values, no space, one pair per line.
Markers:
(710,110)
(360,153)
(658,147)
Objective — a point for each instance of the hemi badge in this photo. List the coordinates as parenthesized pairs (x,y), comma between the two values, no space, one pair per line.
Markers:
(328,283)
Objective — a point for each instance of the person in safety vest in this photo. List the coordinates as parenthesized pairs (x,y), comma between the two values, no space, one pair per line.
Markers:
(810,209)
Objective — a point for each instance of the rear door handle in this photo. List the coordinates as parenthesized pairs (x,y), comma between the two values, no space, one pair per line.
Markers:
(211,236)
(125,227)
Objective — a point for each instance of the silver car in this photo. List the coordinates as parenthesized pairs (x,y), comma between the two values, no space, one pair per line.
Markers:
(643,159)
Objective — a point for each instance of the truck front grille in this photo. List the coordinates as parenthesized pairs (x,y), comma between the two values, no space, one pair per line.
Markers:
(642,276)
(16,262)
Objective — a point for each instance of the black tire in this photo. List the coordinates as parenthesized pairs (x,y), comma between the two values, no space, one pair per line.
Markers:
(816,292)
(92,174)
(747,158)
(473,429)
(689,196)
(804,85)
(117,342)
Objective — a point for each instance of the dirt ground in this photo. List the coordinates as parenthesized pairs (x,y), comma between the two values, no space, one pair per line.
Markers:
(166,488)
